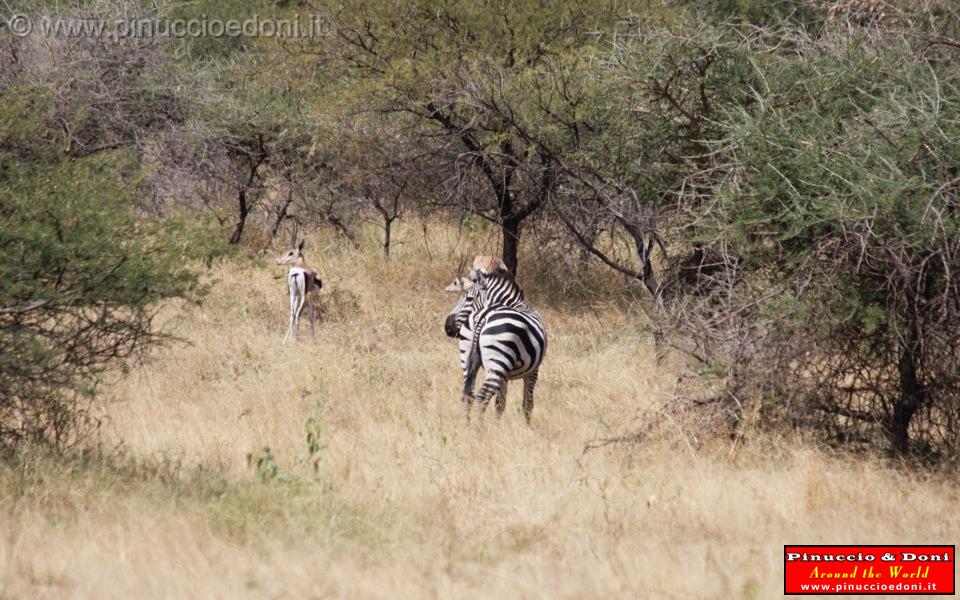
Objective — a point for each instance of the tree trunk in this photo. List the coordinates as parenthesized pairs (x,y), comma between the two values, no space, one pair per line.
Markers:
(281,215)
(241,219)
(651,283)
(387,225)
(510,229)
(590,238)
(254,162)
(911,396)
(340,227)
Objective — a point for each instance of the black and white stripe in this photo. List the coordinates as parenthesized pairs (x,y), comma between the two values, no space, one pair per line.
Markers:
(498,331)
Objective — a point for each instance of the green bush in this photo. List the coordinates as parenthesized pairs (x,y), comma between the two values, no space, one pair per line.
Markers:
(832,218)
(81,274)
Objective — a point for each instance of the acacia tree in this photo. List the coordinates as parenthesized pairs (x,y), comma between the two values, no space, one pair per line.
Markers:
(381,171)
(244,132)
(832,220)
(83,270)
(81,273)
(457,70)
(643,122)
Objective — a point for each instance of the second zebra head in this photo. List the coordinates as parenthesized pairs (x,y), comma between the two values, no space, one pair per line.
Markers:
(488,283)
(463,284)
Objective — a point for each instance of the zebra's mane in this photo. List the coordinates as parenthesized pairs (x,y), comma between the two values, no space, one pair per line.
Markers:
(504,276)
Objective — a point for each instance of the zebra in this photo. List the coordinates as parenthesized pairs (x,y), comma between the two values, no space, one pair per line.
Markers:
(498,331)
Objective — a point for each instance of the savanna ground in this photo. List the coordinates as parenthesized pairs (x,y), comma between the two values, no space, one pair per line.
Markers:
(393,495)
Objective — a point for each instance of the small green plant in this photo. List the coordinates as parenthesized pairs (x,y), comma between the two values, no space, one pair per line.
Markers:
(264,462)
(315,433)
(265,465)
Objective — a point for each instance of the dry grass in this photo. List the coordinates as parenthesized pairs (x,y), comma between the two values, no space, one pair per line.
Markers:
(406,500)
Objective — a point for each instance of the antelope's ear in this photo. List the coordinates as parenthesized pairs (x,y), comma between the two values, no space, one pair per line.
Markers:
(467,284)
(300,247)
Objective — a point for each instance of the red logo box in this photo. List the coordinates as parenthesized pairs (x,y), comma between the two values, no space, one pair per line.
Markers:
(869,570)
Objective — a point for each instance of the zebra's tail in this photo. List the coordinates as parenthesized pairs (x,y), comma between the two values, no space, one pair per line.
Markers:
(475,343)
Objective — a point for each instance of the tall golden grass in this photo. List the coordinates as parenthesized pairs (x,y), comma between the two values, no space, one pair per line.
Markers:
(398,497)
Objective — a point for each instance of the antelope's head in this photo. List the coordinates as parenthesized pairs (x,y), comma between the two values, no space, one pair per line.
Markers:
(482,265)
(490,265)
(460,284)
(293,256)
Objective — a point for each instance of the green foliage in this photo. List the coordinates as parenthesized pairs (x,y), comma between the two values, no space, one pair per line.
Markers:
(835,189)
(82,273)
(315,434)
(264,463)
(799,159)
(265,466)
(210,47)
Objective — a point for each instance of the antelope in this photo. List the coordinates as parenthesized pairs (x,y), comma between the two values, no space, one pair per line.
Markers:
(303,283)
(485,264)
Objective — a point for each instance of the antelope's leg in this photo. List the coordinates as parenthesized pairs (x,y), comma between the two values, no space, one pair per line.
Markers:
(296,319)
(310,307)
(301,292)
(293,315)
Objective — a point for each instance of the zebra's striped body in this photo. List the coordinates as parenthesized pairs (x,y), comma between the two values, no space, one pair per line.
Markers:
(498,331)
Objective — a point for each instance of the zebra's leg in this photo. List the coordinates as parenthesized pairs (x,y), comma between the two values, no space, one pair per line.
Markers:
(501,402)
(529,382)
(492,385)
